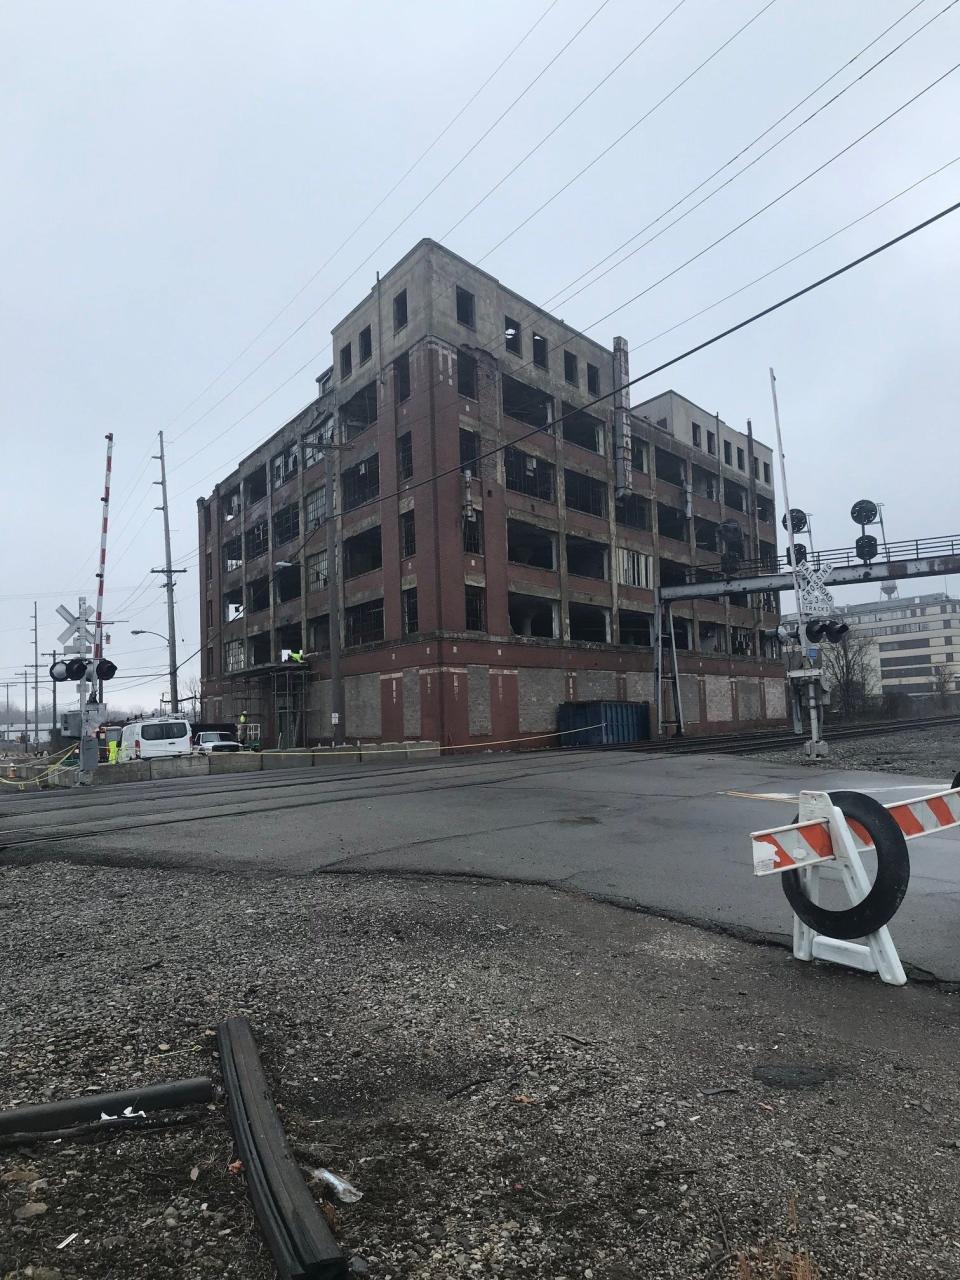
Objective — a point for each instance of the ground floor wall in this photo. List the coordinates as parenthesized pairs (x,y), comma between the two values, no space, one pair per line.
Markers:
(476,693)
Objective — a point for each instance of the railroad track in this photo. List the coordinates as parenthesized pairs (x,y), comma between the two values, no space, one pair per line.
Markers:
(773,739)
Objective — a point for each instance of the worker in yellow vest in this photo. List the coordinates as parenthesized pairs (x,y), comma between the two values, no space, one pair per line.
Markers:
(112,747)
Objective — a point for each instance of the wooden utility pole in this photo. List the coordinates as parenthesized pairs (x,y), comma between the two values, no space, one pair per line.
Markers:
(168,571)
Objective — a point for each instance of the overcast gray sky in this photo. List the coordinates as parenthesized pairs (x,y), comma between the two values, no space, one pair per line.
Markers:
(174,173)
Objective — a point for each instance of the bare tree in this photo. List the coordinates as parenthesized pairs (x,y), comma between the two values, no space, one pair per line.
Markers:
(850,674)
(942,684)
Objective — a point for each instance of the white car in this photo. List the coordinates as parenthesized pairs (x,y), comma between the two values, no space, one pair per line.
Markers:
(209,740)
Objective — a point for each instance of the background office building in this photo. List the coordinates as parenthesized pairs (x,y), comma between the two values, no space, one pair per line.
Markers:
(498,535)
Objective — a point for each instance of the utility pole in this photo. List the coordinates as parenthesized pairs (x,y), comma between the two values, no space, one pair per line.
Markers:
(54,727)
(36,669)
(6,723)
(168,573)
(333,587)
(26,706)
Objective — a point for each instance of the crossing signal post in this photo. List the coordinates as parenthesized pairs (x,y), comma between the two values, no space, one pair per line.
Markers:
(77,665)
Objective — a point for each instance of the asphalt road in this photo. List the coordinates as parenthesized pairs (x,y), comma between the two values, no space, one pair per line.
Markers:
(667,834)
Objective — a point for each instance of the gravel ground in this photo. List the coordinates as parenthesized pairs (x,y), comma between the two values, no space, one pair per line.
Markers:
(521,1082)
(930,752)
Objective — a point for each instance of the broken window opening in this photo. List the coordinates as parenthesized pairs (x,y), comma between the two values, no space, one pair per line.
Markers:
(526,404)
(704,483)
(408,534)
(681,633)
(766,473)
(313,443)
(401,378)
(734,495)
(528,474)
(317,578)
(400,311)
(286,524)
(571,371)
(470,452)
(315,508)
(360,411)
(467,375)
(318,634)
(673,574)
(765,510)
(727,453)
(584,493)
(258,649)
(284,466)
(635,628)
(528,544)
(361,482)
(540,357)
(512,336)
(289,639)
(233,655)
(712,443)
(768,557)
(287,583)
(593,379)
(257,539)
(632,511)
(410,614)
(587,558)
(742,642)
(466,308)
(232,604)
(346,362)
(473,532)
(639,460)
(232,553)
(697,435)
(255,486)
(712,637)
(363,553)
(532,616)
(589,623)
(405,457)
(670,468)
(230,504)
(741,460)
(258,595)
(705,534)
(475,608)
(636,568)
(363,623)
(581,428)
(365,344)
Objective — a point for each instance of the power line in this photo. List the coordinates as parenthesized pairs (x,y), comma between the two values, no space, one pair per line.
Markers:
(403,221)
(573,110)
(626,133)
(360,225)
(776,200)
(733,177)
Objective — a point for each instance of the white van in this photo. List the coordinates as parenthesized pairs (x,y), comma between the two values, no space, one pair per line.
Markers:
(154,739)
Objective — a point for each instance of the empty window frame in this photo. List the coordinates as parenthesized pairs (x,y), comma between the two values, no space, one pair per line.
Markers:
(365,344)
(741,460)
(317,578)
(571,369)
(408,534)
(528,544)
(232,553)
(318,634)
(632,511)
(672,523)
(681,633)
(766,473)
(742,642)
(528,474)
(400,311)
(258,649)
(209,614)
(593,379)
(587,558)
(712,443)
(289,638)
(409,615)
(697,435)
(256,539)
(361,482)
(639,457)
(284,466)
(512,335)
(208,566)
(314,442)
(286,524)
(346,361)
(756,468)
(532,616)
(589,623)
(728,453)
(466,308)
(255,486)
(584,493)
(705,534)
(258,595)
(475,608)
(232,605)
(635,568)
(233,655)
(363,623)
(230,504)
(540,351)
(734,495)
(673,574)
(525,403)
(473,532)
(467,377)
(363,553)
(405,456)
(401,378)
(360,411)
(469,451)
(287,583)
(635,628)
(705,483)
(315,508)
(581,428)
(210,661)
(712,637)
(671,469)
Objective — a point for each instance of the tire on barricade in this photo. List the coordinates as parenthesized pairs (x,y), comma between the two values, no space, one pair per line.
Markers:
(888,890)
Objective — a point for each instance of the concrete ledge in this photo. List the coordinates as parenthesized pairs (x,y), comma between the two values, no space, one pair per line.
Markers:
(293,759)
(423,750)
(235,762)
(180,767)
(64,776)
(123,771)
(382,751)
(335,755)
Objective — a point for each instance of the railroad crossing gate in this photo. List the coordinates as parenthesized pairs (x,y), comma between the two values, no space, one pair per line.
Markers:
(826,843)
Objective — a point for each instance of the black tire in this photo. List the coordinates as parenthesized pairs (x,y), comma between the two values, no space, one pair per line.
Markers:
(888,891)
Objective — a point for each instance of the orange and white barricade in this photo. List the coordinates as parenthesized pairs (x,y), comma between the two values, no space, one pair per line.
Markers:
(826,842)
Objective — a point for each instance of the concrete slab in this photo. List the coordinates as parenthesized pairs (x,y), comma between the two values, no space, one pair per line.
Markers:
(335,755)
(286,759)
(235,762)
(423,750)
(123,771)
(180,767)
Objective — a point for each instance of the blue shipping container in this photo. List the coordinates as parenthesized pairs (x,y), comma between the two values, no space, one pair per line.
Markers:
(603,724)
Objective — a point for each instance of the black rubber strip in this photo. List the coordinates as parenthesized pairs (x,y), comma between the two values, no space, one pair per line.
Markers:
(148,1098)
(888,890)
(297,1233)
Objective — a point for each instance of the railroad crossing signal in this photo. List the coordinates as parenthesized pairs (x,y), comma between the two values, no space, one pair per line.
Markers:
(77,636)
(82,669)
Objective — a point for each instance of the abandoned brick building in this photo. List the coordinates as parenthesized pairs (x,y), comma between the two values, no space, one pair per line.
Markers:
(497,535)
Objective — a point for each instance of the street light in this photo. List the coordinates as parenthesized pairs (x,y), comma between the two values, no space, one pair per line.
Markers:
(150,633)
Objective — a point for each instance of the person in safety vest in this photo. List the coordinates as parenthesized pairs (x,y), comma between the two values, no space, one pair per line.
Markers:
(112,747)
(296,655)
